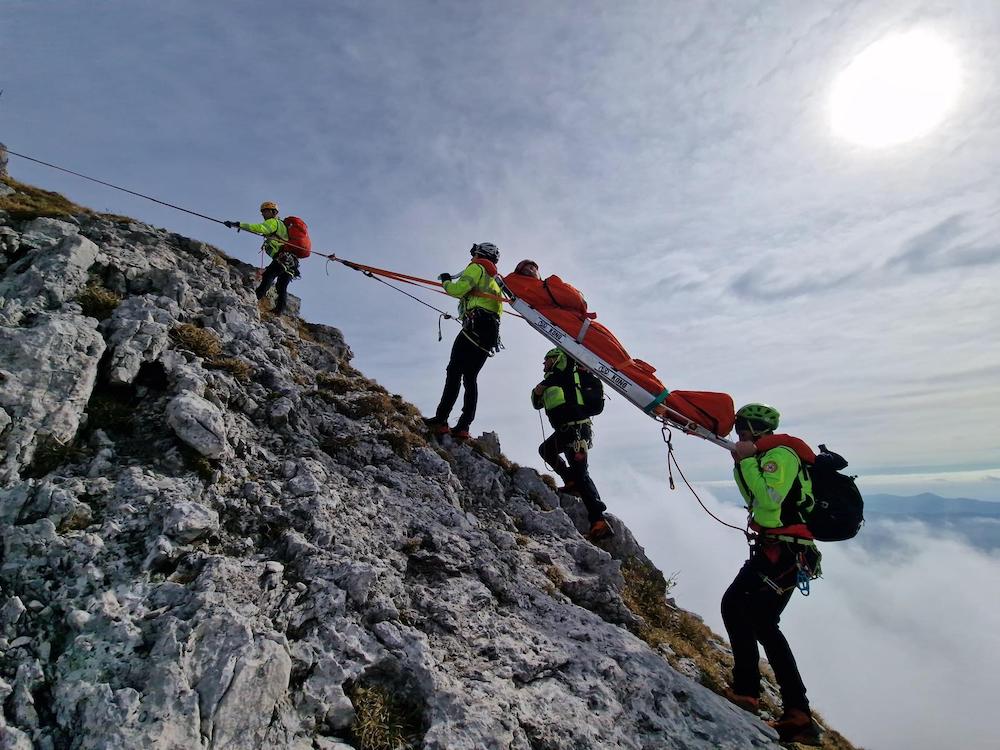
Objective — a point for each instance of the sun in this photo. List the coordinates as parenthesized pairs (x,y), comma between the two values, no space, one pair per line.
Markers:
(898,89)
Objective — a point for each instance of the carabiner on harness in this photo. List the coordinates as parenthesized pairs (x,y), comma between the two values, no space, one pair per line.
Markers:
(668,439)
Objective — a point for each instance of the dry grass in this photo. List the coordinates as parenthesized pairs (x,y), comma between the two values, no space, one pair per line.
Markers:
(30,202)
(403,441)
(555,574)
(377,405)
(238,368)
(199,341)
(98,302)
(685,635)
(384,722)
(334,383)
(549,482)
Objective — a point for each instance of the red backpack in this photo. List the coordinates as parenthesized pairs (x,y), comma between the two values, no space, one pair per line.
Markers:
(298,237)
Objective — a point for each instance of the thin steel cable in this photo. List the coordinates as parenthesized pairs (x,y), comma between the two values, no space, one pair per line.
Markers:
(116,187)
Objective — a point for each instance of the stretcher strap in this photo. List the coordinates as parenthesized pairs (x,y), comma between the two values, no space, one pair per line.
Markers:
(583,331)
(657,401)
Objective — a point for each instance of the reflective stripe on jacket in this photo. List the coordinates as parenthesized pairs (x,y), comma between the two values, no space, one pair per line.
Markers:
(274,229)
(562,398)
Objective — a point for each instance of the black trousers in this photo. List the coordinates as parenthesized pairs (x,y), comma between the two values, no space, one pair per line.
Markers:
(479,336)
(751,610)
(575,468)
(275,272)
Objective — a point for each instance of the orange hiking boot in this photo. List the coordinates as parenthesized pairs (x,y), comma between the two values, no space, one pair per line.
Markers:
(437,426)
(746,702)
(460,433)
(796,725)
(600,529)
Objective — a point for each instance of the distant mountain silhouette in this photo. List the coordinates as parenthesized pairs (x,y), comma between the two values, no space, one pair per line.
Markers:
(929,504)
(977,522)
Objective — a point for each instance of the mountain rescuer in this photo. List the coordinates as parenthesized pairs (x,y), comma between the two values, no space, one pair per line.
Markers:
(284,265)
(782,554)
(479,308)
(561,395)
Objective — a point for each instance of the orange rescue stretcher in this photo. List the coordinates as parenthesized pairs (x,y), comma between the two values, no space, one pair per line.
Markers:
(559,312)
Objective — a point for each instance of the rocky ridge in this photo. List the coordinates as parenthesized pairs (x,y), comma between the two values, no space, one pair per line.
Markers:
(218,534)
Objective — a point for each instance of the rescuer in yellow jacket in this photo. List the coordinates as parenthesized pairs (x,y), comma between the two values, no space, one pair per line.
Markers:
(479,307)
(775,487)
(284,265)
(561,395)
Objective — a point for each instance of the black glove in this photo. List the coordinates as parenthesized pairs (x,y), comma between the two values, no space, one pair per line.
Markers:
(232,224)
(444,277)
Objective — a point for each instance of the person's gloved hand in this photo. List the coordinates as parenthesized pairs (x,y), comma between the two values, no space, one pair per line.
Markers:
(743,449)
(444,277)
(232,224)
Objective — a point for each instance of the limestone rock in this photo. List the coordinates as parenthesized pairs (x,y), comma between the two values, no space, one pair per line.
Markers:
(199,423)
(48,373)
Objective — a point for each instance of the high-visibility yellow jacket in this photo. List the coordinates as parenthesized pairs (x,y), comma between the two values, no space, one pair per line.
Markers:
(474,279)
(274,229)
(774,485)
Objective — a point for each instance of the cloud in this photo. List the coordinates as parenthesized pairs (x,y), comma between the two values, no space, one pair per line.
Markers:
(896,646)
(766,287)
(940,248)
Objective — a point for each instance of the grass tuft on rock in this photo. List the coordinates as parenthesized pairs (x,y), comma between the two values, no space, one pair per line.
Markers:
(686,641)
(98,302)
(197,340)
(384,721)
(238,368)
(29,202)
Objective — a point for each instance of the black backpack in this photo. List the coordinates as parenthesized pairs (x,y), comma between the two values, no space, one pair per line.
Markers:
(838,512)
(592,390)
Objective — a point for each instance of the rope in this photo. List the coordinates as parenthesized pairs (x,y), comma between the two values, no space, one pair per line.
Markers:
(667,438)
(116,187)
(370,271)
(442,313)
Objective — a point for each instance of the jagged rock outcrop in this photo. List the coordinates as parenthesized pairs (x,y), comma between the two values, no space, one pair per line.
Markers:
(218,534)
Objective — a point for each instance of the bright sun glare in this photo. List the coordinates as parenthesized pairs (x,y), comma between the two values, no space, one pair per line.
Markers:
(896,90)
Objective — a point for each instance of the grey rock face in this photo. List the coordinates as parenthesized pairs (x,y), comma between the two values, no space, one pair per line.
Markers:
(239,549)
(198,423)
(47,370)
(137,333)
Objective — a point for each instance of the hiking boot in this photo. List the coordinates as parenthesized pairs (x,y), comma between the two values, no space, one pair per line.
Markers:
(569,488)
(600,529)
(796,725)
(746,702)
(460,433)
(437,426)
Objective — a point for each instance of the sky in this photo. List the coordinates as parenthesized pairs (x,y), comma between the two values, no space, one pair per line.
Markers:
(676,161)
